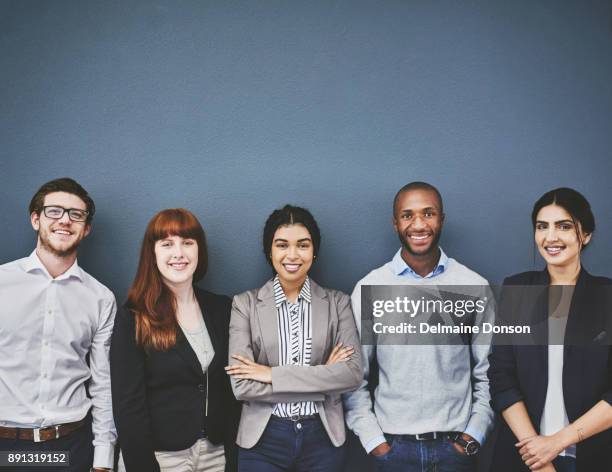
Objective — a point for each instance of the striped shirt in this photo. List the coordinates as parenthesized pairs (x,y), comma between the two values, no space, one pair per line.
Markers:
(294,341)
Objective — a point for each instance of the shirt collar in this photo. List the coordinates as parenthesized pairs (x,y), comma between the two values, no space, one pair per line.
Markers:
(33,263)
(279,294)
(399,266)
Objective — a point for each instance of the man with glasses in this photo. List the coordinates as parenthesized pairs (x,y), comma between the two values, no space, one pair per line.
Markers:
(53,316)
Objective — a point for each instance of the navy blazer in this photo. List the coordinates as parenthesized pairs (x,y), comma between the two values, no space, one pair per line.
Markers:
(159,397)
(520,373)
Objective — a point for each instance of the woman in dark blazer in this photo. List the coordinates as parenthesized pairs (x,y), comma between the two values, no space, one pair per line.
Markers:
(172,402)
(555,397)
(294,349)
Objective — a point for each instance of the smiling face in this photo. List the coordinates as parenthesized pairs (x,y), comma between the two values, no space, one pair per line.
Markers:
(177,259)
(418,221)
(558,238)
(60,237)
(292,253)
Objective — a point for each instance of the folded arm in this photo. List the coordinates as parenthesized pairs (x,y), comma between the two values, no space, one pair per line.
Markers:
(252,381)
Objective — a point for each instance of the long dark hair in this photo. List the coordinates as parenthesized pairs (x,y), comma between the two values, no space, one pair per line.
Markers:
(151,301)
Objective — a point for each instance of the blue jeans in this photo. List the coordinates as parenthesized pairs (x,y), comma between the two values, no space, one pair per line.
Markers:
(409,455)
(78,444)
(301,446)
(565,464)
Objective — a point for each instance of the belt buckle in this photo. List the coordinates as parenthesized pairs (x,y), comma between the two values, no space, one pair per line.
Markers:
(294,418)
(426,436)
(36,433)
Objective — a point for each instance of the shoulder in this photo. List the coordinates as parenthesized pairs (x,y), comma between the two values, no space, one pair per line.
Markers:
(335,296)
(464,274)
(212,299)
(12,265)
(247,296)
(96,287)
(598,279)
(13,271)
(245,302)
(376,276)
(124,320)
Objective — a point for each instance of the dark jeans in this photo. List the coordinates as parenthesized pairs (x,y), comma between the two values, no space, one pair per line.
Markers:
(301,446)
(78,444)
(437,455)
(565,464)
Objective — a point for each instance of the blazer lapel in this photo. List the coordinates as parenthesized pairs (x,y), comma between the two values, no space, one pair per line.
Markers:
(268,322)
(537,304)
(320,322)
(183,349)
(209,322)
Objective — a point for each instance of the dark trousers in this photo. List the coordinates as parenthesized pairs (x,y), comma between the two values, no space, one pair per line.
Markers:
(301,446)
(565,464)
(78,444)
(437,455)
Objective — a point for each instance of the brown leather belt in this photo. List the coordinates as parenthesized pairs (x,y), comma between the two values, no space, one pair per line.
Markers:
(40,434)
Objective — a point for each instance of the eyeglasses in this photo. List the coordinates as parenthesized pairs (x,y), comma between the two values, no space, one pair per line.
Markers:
(57,212)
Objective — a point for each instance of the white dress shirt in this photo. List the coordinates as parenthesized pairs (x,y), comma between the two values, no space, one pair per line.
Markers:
(47,327)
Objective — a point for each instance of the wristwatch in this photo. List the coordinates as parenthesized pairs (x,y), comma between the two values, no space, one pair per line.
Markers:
(470,446)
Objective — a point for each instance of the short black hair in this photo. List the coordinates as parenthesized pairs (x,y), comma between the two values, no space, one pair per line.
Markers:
(290,215)
(417,185)
(65,184)
(571,201)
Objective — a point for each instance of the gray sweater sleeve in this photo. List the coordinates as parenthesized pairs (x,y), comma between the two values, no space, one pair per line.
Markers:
(481,418)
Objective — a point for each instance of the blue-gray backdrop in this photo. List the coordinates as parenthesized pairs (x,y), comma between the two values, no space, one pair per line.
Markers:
(233,108)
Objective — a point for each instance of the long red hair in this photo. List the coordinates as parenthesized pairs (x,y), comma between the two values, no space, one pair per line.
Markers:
(149,298)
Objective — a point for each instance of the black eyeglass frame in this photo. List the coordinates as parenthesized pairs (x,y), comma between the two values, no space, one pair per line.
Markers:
(66,210)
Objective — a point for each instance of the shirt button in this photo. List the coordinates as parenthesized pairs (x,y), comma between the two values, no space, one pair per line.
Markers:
(45,375)
(201,387)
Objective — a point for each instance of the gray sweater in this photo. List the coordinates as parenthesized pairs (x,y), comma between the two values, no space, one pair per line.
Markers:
(422,388)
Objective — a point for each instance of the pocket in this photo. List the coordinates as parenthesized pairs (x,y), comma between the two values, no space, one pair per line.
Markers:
(459,457)
(386,455)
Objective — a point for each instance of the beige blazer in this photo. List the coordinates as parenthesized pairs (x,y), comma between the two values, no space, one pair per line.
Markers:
(254,334)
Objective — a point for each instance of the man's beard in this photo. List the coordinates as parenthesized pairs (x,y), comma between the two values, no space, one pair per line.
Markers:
(432,247)
(46,244)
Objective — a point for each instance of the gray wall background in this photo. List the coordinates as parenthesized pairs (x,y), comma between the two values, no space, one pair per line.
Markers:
(232,109)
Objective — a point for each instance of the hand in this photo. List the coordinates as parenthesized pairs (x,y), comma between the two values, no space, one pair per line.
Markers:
(248,369)
(381,449)
(340,354)
(538,451)
(460,449)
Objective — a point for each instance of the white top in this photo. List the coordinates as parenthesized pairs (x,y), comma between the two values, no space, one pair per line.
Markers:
(47,327)
(554,417)
(201,344)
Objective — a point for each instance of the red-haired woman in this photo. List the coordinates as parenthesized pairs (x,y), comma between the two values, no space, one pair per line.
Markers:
(172,402)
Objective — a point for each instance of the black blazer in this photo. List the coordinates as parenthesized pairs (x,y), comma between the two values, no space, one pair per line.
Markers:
(520,373)
(159,397)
